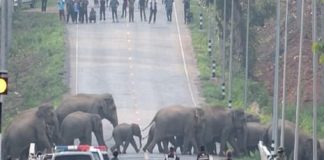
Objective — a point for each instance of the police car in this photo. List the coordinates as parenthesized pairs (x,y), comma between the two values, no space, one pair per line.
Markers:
(82,152)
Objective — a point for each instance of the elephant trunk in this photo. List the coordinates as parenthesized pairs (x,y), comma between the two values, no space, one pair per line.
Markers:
(114,120)
(140,141)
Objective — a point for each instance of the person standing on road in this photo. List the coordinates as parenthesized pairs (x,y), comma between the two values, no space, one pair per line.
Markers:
(131,6)
(186,6)
(44,5)
(76,8)
(114,5)
(84,6)
(102,10)
(124,9)
(70,11)
(141,4)
(153,10)
(168,8)
(60,6)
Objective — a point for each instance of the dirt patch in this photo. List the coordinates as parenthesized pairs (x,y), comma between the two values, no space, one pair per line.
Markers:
(264,70)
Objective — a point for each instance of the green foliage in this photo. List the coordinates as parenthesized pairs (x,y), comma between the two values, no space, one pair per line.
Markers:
(36,62)
(211,89)
(318,48)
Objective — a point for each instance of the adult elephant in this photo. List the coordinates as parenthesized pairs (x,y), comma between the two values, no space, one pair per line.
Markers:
(255,132)
(102,104)
(80,125)
(176,121)
(124,134)
(175,141)
(305,149)
(321,155)
(221,125)
(28,127)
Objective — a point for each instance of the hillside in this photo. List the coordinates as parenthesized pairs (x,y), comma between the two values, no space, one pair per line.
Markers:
(264,70)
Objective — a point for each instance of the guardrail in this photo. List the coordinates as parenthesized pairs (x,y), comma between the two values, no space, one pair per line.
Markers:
(264,152)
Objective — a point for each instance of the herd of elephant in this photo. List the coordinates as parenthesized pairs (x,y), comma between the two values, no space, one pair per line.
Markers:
(183,127)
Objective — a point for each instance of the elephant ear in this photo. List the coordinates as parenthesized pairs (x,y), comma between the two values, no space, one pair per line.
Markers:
(44,110)
(109,102)
(136,129)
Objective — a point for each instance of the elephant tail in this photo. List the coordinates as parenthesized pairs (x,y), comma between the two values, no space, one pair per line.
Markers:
(149,124)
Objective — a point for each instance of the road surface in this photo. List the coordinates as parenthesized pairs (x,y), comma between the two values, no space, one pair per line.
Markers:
(145,66)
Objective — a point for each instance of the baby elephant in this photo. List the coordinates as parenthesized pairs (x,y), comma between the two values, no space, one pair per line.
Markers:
(123,135)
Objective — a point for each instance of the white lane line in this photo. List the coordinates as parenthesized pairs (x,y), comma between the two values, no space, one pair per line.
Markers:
(184,59)
(76,58)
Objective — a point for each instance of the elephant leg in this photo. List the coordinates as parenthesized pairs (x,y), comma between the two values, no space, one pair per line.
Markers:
(116,145)
(165,146)
(156,139)
(125,146)
(186,144)
(160,148)
(134,145)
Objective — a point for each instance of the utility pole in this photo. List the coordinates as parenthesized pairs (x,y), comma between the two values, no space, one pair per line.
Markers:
(301,36)
(247,55)
(282,133)
(314,82)
(5,16)
(231,59)
(224,50)
(276,81)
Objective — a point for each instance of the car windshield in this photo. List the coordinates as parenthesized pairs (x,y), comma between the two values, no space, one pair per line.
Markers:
(73,157)
(96,155)
(105,156)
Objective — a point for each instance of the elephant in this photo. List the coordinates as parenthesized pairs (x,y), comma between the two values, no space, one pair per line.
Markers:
(123,133)
(175,141)
(255,132)
(321,155)
(176,121)
(305,149)
(102,104)
(28,127)
(220,125)
(80,125)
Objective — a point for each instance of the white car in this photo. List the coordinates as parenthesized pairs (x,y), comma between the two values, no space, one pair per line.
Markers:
(73,156)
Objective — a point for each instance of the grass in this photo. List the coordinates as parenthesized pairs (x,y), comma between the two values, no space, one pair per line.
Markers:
(35,62)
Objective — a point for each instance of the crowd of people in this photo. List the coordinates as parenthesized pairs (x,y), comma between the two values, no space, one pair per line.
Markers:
(77,10)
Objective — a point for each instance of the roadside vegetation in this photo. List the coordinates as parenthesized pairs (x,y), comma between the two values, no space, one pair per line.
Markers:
(259,98)
(35,62)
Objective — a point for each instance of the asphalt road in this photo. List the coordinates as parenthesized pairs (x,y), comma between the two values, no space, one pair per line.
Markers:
(145,66)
